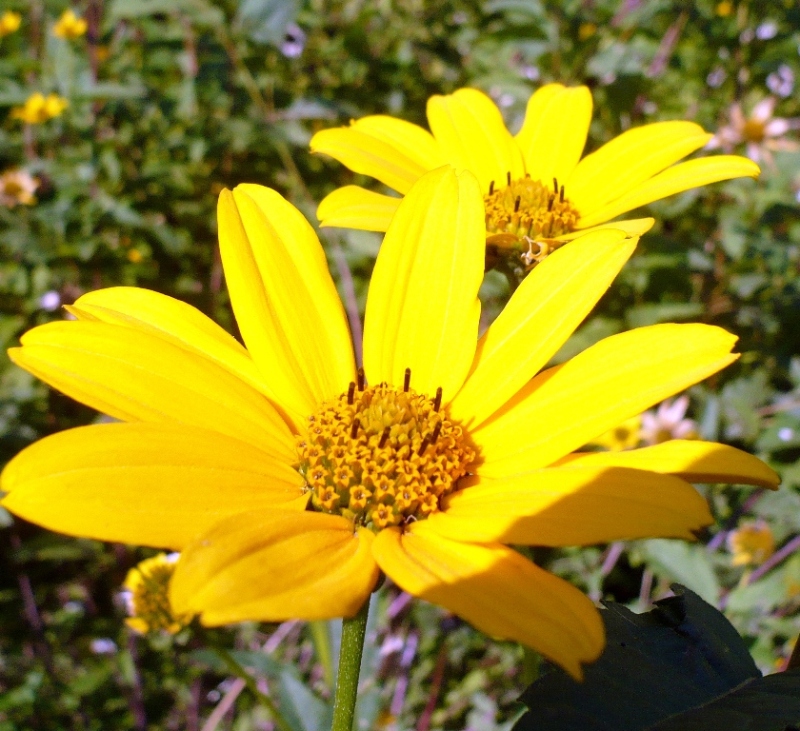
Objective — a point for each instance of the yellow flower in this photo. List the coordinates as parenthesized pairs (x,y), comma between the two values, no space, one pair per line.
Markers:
(146,596)
(9,23)
(17,188)
(69,26)
(751,543)
(537,190)
(40,108)
(623,436)
(289,479)
(724,8)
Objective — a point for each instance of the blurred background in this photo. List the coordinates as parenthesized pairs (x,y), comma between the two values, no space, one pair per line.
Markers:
(121,121)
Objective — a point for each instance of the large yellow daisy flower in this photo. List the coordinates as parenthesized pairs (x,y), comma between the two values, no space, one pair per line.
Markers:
(537,190)
(289,478)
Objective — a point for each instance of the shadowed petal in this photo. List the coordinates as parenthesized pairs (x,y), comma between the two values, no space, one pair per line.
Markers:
(573,507)
(271,566)
(495,589)
(149,484)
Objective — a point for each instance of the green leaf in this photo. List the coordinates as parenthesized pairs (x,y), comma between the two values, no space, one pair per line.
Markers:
(682,655)
(684,562)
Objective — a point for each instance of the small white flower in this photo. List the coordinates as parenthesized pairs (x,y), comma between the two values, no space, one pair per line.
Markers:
(786,434)
(50,301)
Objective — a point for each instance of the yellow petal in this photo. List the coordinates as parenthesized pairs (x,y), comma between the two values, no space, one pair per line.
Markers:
(553,134)
(423,308)
(691,460)
(135,375)
(497,590)
(173,320)
(355,207)
(361,151)
(271,565)
(687,175)
(416,143)
(472,135)
(615,379)
(632,227)
(284,299)
(625,162)
(573,507)
(148,484)
(541,314)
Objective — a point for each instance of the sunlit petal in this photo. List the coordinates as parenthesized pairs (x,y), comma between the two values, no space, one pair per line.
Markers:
(472,135)
(284,299)
(542,313)
(147,484)
(691,460)
(355,207)
(617,378)
(423,308)
(553,134)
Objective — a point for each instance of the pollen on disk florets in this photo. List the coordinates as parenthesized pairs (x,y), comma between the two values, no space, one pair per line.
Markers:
(525,210)
(382,456)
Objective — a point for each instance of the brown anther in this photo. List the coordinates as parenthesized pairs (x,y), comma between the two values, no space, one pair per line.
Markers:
(436,431)
(550,203)
(561,194)
(422,447)
(354,429)
(384,438)
(437,402)
(407,380)
(516,203)
(361,379)
(555,185)
(351,390)
(491,187)
(508,178)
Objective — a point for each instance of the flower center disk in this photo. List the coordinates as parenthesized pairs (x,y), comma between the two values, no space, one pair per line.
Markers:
(381,456)
(527,209)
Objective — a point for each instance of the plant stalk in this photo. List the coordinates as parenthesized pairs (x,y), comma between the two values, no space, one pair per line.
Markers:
(344,701)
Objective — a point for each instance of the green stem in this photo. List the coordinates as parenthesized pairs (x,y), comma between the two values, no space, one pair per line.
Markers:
(344,701)
(237,669)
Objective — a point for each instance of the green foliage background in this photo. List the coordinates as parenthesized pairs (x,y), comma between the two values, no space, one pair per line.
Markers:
(172,100)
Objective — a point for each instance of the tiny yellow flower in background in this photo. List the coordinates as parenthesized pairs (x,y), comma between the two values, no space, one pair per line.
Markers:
(624,436)
(289,478)
(724,8)
(40,108)
(17,188)
(538,191)
(146,596)
(586,31)
(751,543)
(9,23)
(69,26)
